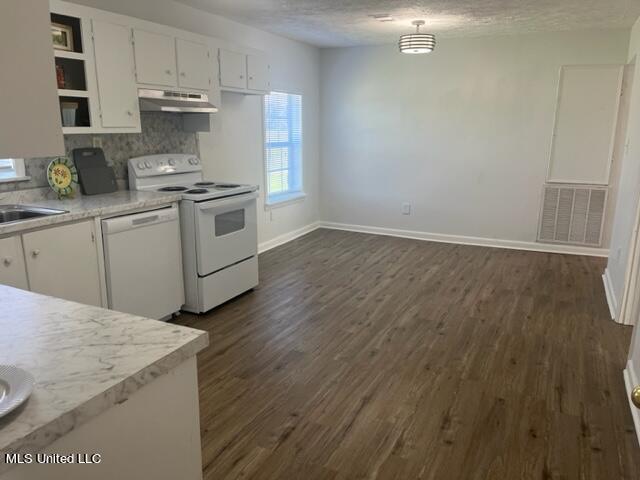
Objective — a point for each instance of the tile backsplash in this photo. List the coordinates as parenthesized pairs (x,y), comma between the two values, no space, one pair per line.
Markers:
(161,133)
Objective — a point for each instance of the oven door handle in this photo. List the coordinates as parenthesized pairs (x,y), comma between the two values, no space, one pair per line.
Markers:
(236,199)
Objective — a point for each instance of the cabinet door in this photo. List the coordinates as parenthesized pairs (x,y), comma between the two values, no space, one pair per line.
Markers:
(233,69)
(115,71)
(155,58)
(63,262)
(194,69)
(12,269)
(257,73)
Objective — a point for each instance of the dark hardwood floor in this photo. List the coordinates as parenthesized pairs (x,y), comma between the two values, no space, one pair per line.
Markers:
(363,356)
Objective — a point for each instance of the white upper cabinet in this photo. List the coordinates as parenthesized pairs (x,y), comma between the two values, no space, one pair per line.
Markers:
(194,65)
(167,61)
(155,56)
(233,69)
(243,73)
(257,73)
(63,262)
(116,79)
(30,122)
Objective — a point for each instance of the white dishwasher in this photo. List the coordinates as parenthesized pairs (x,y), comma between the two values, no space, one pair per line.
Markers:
(143,262)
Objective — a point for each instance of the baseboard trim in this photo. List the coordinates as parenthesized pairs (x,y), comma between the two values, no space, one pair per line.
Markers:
(463,240)
(287,237)
(630,380)
(442,238)
(608,291)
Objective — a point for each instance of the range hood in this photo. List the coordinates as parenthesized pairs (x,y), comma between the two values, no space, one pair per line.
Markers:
(173,101)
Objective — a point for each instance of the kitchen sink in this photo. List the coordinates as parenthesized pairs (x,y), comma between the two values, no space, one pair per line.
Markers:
(18,213)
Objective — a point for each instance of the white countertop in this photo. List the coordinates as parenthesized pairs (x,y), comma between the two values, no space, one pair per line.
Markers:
(83,206)
(84,360)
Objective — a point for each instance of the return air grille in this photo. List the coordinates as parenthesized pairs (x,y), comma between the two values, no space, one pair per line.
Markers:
(572,214)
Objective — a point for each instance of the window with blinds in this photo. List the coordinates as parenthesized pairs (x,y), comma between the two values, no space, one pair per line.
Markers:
(283,146)
(12,169)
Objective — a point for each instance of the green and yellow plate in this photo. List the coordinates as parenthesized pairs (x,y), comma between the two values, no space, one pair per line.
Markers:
(62,176)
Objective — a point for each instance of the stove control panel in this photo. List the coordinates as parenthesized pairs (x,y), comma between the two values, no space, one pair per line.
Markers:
(164,164)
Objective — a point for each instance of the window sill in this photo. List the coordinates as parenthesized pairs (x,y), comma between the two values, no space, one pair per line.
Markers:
(15,179)
(284,200)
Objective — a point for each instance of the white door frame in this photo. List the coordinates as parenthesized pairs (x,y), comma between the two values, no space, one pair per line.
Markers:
(630,298)
(629,304)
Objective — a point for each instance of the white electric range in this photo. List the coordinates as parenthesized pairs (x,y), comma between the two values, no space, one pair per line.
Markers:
(218,226)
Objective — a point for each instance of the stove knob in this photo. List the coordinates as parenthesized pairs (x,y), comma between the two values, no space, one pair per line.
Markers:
(141,165)
(196,161)
(172,162)
(191,161)
(147,164)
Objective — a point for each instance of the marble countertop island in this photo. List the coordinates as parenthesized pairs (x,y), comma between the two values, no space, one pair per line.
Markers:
(83,206)
(84,359)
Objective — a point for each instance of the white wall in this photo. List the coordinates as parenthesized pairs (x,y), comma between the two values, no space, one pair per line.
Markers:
(463,134)
(233,150)
(629,188)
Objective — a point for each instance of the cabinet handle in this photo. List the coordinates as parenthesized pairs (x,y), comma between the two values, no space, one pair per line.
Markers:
(7,261)
(182,74)
(241,76)
(168,72)
(130,113)
(35,253)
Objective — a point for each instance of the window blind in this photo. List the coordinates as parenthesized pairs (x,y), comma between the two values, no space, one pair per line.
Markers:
(283,144)
(7,168)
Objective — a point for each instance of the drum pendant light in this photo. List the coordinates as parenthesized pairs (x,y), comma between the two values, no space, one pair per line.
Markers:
(417,42)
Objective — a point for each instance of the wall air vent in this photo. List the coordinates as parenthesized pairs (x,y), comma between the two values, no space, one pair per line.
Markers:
(572,214)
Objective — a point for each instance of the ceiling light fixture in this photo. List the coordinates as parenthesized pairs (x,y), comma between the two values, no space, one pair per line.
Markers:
(417,42)
(382,17)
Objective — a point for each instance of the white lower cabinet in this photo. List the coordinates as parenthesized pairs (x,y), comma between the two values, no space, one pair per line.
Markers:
(12,269)
(63,262)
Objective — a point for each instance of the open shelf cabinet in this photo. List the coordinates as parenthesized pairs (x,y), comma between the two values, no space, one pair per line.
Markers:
(71,64)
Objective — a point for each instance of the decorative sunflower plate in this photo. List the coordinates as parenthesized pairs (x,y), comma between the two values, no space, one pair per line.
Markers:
(62,176)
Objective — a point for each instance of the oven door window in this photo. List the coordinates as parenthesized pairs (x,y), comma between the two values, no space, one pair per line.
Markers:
(229,222)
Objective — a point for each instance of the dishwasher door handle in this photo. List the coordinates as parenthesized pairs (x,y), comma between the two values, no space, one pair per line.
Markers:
(145,220)
(138,220)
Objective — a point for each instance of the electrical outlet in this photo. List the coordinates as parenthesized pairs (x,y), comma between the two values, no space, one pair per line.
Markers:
(97,142)
(406,208)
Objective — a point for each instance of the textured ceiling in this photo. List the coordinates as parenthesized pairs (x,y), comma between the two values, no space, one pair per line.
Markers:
(335,23)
